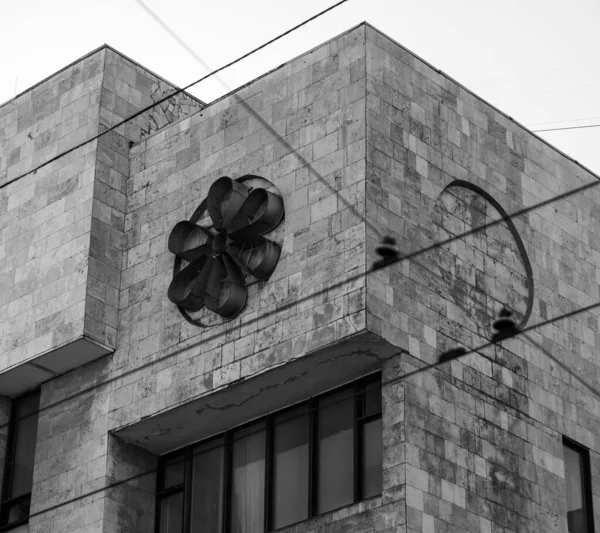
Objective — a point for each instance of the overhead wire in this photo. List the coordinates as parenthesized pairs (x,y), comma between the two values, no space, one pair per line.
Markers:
(355,277)
(568,128)
(393,381)
(535,124)
(339,284)
(478,349)
(350,279)
(565,367)
(313,295)
(522,331)
(388,382)
(172,94)
(199,60)
(514,214)
(347,280)
(257,116)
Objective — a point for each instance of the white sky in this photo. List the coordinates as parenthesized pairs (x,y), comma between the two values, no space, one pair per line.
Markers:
(536,60)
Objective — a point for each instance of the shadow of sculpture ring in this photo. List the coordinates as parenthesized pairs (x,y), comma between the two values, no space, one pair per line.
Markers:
(214,264)
(517,239)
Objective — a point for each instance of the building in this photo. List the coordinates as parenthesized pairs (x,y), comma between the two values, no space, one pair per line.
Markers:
(280,403)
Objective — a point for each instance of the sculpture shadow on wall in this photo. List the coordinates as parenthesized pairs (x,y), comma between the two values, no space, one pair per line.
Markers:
(479,274)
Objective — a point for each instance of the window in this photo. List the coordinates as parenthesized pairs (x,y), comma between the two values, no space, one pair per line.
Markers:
(306,460)
(578,488)
(20,451)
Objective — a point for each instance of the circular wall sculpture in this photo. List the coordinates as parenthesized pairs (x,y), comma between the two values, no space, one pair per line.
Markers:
(484,271)
(215,263)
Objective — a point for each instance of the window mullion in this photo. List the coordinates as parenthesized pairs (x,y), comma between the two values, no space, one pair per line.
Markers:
(171,490)
(587,490)
(157,514)
(187,490)
(312,457)
(354,419)
(227,474)
(368,418)
(269,473)
(357,440)
(11,464)
(8,465)
(584,482)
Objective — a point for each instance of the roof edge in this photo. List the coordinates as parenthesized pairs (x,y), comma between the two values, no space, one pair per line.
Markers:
(29,89)
(89,54)
(254,80)
(525,128)
(112,49)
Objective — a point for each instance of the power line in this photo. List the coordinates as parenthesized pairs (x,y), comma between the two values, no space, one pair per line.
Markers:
(466,351)
(412,255)
(332,287)
(89,494)
(459,352)
(392,381)
(266,125)
(260,119)
(570,371)
(510,216)
(350,279)
(174,93)
(179,40)
(562,121)
(568,128)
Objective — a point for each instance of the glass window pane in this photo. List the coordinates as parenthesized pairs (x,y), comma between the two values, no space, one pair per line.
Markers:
(173,472)
(371,459)
(207,490)
(290,470)
(171,513)
(336,451)
(372,397)
(27,405)
(576,512)
(19,511)
(248,484)
(23,456)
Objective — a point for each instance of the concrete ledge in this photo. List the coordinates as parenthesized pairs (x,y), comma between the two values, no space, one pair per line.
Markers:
(35,371)
(246,400)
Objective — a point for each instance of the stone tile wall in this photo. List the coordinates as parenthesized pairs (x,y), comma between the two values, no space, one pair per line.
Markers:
(61,243)
(128,87)
(71,457)
(475,445)
(61,228)
(50,118)
(316,103)
(45,216)
(483,438)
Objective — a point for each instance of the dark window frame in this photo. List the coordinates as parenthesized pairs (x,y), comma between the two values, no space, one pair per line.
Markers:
(586,479)
(6,504)
(361,417)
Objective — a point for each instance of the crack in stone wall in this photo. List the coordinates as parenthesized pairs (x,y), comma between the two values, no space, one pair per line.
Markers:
(169,111)
(291,379)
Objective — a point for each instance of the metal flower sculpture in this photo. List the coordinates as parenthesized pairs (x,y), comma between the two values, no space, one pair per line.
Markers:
(221,258)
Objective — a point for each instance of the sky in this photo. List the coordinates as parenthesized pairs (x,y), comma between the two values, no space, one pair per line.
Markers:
(535,60)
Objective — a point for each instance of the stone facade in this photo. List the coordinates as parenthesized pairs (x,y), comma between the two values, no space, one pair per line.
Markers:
(483,440)
(375,142)
(61,227)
